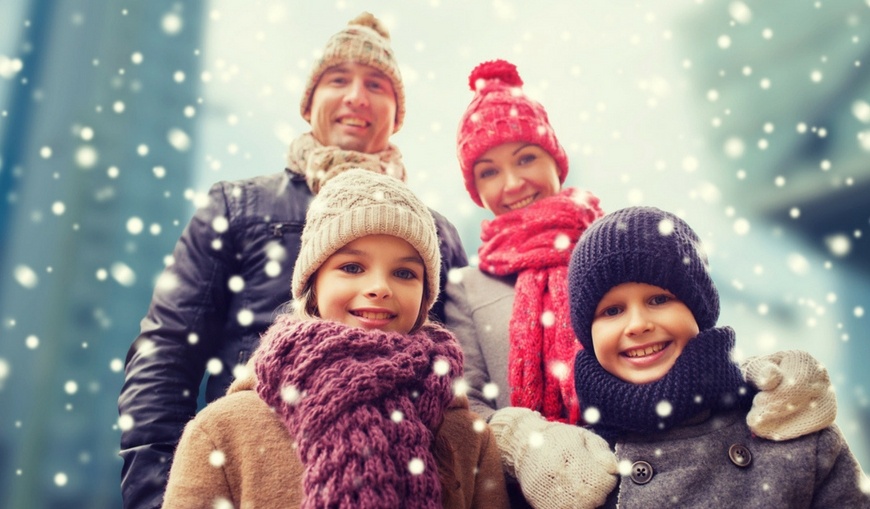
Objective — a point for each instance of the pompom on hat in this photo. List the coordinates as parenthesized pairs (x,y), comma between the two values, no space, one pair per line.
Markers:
(639,245)
(357,203)
(501,113)
(365,41)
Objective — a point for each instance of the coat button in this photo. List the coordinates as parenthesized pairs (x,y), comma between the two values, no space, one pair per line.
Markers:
(740,455)
(641,472)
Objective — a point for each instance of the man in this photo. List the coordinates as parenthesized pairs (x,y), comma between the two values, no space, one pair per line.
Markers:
(233,263)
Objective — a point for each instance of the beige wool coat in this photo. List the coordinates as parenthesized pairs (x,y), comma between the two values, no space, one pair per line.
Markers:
(237,450)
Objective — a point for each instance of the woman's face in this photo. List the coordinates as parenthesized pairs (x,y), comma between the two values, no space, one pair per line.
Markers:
(515,175)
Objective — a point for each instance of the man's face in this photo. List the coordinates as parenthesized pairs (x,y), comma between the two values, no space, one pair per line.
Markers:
(353,107)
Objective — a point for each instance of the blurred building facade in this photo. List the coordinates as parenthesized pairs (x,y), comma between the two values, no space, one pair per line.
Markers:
(96,147)
(787,101)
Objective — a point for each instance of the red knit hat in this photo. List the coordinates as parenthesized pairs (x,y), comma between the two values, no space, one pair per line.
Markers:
(501,113)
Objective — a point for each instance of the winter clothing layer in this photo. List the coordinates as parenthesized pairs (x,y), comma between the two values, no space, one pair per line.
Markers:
(319,163)
(535,243)
(477,310)
(557,465)
(522,258)
(501,113)
(795,398)
(238,449)
(250,229)
(703,378)
(641,245)
(719,462)
(364,41)
(362,406)
(357,203)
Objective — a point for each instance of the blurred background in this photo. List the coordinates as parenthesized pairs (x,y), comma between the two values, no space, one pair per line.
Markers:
(749,118)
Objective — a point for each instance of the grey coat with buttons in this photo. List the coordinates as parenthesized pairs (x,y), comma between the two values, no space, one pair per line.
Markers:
(719,463)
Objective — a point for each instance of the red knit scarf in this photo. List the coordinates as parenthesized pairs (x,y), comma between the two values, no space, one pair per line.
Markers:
(362,407)
(535,243)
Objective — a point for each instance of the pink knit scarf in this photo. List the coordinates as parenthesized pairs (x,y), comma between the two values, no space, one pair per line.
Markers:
(362,406)
(535,243)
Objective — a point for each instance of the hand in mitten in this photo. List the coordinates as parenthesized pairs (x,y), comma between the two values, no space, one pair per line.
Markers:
(557,465)
(796,396)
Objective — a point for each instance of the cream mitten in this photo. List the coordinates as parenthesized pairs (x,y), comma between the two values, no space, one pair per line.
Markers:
(558,465)
(796,396)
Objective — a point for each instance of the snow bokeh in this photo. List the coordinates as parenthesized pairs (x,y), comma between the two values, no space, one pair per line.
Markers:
(716,110)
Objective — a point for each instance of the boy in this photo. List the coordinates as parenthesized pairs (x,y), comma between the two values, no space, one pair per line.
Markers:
(656,379)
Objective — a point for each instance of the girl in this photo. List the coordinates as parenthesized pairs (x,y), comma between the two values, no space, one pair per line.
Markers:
(657,375)
(511,312)
(350,399)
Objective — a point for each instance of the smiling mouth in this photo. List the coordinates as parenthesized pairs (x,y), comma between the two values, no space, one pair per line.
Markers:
(643,352)
(353,122)
(370,315)
(525,202)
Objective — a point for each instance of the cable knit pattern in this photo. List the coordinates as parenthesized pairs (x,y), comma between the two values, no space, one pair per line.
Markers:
(319,163)
(363,406)
(703,378)
(796,396)
(535,243)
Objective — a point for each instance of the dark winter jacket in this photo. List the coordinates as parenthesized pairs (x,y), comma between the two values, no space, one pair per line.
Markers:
(718,462)
(229,276)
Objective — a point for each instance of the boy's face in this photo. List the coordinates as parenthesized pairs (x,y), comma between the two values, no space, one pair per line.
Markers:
(639,330)
(374,282)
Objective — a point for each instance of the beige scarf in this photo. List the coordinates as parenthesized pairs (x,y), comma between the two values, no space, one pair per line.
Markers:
(320,163)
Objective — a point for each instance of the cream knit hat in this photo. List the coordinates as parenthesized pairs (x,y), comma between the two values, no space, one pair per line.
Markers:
(365,41)
(357,203)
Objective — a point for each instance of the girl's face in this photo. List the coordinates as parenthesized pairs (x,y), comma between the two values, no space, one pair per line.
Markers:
(515,175)
(374,282)
(640,330)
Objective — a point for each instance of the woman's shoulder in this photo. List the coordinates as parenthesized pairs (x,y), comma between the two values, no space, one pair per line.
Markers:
(474,281)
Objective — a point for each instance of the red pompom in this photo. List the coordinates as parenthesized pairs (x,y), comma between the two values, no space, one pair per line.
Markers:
(501,70)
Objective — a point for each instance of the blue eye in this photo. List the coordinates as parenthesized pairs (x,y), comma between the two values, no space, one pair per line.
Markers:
(351,268)
(526,159)
(405,274)
(661,299)
(489,172)
(611,311)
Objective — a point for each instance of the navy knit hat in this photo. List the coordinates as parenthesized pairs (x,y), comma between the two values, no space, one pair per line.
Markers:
(639,245)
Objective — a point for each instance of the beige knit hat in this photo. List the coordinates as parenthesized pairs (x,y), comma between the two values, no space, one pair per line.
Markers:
(357,203)
(365,41)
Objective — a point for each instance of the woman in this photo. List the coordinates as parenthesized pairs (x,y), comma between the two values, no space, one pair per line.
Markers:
(520,369)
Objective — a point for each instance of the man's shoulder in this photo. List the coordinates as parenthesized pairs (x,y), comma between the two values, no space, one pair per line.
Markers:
(270,183)
(280,195)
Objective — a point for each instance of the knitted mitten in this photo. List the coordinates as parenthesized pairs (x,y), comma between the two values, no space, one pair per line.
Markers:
(796,396)
(558,465)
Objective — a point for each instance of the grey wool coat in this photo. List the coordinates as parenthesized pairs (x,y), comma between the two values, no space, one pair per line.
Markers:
(477,310)
(719,463)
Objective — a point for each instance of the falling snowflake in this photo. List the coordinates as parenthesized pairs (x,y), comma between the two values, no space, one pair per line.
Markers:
(441,367)
(592,415)
(214,366)
(217,458)
(490,391)
(416,466)
(290,394)
(664,408)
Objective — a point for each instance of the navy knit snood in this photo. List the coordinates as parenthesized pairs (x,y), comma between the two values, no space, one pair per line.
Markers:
(703,378)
